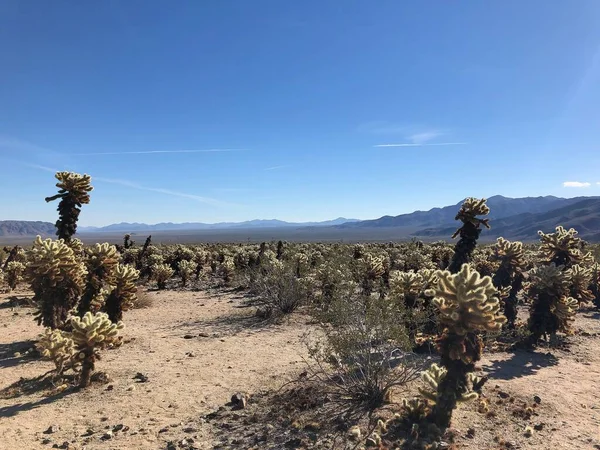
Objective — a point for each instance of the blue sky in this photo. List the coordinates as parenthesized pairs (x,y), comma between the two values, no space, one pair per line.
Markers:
(239,109)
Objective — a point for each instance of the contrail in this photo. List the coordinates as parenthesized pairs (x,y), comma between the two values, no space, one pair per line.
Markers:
(421,145)
(151,152)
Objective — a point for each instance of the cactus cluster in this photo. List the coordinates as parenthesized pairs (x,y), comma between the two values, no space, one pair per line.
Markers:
(160,273)
(13,274)
(510,274)
(123,292)
(100,261)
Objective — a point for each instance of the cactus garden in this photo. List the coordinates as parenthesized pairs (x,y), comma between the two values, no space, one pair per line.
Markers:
(459,343)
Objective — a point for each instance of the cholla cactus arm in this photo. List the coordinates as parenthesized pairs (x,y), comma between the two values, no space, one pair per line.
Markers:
(186,270)
(91,333)
(57,346)
(73,192)
(469,232)
(57,280)
(124,292)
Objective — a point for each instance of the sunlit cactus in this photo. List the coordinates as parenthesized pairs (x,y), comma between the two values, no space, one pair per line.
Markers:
(57,280)
(552,308)
(510,273)
(90,334)
(57,346)
(434,376)
(563,248)
(469,232)
(161,273)
(372,270)
(13,274)
(227,269)
(100,261)
(580,279)
(187,269)
(123,293)
(406,285)
(73,192)
(467,304)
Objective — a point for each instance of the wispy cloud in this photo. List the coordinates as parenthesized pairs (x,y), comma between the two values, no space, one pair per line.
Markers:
(138,186)
(414,144)
(382,127)
(152,152)
(134,185)
(277,167)
(426,136)
(576,184)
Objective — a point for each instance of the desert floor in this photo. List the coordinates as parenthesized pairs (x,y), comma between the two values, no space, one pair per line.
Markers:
(198,348)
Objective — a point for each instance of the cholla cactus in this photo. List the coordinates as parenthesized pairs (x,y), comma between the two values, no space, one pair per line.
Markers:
(13,274)
(73,192)
(407,286)
(101,261)
(552,309)
(580,279)
(510,273)
(433,378)
(186,270)
(563,248)
(123,293)
(57,346)
(161,273)
(227,269)
(467,304)
(57,280)
(91,333)
(372,270)
(469,232)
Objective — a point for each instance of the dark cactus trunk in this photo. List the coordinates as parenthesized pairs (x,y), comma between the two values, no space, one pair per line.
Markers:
(114,307)
(469,233)
(87,367)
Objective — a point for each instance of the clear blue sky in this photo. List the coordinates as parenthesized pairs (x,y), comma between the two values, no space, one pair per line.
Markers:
(307,96)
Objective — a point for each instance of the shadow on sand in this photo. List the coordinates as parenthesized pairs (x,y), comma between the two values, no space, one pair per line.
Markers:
(25,352)
(522,363)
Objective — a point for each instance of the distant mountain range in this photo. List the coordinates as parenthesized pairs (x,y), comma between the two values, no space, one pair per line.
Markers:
(169,226)
(513,218)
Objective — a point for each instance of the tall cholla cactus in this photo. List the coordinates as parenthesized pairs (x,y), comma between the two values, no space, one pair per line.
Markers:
(73,192)
(57,280)
(552,309)
(372,270)
(101,261)
(91,333)
(123,293)
(563,248)
(510,273)
(467,304)
(580,279)
(469,232)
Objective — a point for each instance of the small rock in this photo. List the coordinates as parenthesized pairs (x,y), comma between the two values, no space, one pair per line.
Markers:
(537,399)
(110,387)
(539,426)
(118,427)
(239,400)
(106,436)
(190,355)
(142,378)
(190,430)
(471,433)
(131,388)
(503,394)
(189,336)
(163,430)
(46,441)
(171,445)
(52,429)
(88,432)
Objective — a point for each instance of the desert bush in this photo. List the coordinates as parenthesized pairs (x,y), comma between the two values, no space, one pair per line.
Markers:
(73,192)
(57,280)
(279,290)
(363,351)
(161,273)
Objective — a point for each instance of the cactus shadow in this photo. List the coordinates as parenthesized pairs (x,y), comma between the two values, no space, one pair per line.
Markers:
(7,353)
(17,408)
(522,363)
(231,324)
(15,301)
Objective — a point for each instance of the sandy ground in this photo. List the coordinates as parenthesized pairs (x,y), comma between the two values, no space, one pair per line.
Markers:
(198,349)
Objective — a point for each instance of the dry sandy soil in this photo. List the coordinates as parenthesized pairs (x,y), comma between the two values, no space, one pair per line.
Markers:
(197,349)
